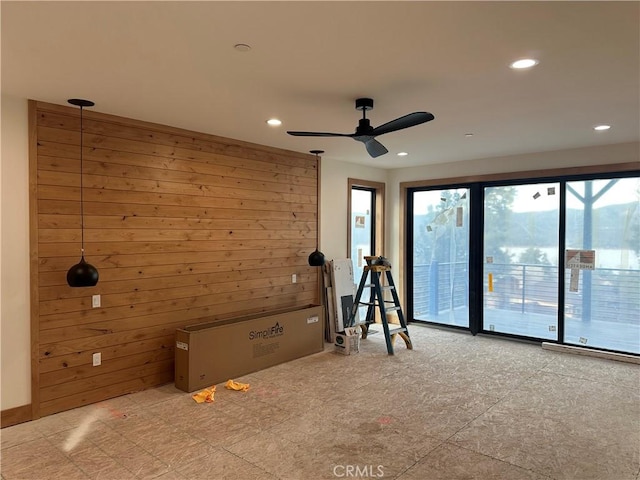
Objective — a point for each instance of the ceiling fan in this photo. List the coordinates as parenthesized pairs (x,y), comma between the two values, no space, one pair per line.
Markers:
(367,134)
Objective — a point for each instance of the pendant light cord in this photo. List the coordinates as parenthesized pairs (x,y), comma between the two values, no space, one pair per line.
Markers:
(317,203)
(317,153)
(81,195)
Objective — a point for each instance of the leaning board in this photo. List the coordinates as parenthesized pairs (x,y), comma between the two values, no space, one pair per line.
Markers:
(343,291)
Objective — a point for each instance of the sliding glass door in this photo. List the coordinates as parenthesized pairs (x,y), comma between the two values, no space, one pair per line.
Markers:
(550,260)
(602,276)
(520,261)
(441,256)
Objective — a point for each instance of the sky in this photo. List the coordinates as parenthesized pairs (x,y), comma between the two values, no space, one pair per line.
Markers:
(546,196)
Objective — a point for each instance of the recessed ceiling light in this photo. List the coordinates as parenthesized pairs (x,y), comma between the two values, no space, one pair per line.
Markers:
(468,134)
(602,127)
(274,122)
(524,63)
(402,154)
(242,47)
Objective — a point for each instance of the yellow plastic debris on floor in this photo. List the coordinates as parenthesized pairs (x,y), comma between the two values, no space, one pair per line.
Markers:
(233,385)
(205,395)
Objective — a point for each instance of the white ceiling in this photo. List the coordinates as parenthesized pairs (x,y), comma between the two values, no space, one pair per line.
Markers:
(174,63)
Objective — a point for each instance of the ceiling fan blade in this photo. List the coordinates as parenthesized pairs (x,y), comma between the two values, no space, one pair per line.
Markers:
(375,148)
(319,134)
(410,120)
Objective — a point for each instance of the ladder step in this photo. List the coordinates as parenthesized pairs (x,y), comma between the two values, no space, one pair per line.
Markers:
(382,287)
(393,331)
(373,304)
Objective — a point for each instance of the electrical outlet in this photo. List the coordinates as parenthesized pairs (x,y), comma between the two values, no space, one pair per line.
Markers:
(95,301)
(294,278)
(97,359)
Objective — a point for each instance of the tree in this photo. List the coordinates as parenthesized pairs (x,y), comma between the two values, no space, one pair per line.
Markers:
(497,213)
(534,256)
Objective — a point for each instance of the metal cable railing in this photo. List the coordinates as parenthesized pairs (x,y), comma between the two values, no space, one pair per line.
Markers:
(527,288)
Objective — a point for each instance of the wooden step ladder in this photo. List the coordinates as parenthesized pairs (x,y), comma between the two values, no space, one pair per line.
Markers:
(376,266)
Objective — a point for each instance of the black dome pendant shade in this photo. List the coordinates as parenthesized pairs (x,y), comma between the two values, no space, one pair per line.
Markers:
(316,259)
(82,274)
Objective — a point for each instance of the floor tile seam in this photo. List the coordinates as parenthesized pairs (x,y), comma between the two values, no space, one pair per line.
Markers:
(19,471)
(499,460)
(222,444)
(149,403)
(249,462)
(276,423)
(4,449)
(437,445)
(591,380)
(198,441)
(154,418)
(367,384)
(114,458)
(68,457)
(189,431)
(497,404)
(522,381)
(489,408)
(80,468)
(405,470)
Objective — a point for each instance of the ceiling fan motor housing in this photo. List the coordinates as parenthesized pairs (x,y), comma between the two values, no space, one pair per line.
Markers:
(364,127)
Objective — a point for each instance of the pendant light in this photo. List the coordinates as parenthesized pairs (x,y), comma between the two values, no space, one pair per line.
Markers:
(82,274)
(316,259)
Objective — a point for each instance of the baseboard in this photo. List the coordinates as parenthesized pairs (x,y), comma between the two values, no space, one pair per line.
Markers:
(620,357)
(16,415)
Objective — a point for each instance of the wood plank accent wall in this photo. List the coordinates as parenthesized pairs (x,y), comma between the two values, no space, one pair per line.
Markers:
(183,227)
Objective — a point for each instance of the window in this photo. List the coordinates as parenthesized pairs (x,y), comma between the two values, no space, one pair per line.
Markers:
(366,225)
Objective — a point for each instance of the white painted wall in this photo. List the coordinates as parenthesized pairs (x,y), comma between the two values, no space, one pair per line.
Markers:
(333,202)
(15,350)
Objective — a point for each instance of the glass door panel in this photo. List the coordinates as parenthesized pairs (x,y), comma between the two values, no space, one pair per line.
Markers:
(520,260)
(441,256)
(602,275)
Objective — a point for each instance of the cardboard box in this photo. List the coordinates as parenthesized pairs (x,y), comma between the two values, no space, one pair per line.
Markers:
(348,342)
(214,352)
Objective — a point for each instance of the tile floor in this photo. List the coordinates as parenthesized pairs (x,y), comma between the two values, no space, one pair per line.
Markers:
(455,407)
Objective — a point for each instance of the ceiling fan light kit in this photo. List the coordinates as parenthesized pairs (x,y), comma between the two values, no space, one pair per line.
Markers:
(82,274)
(367,134)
